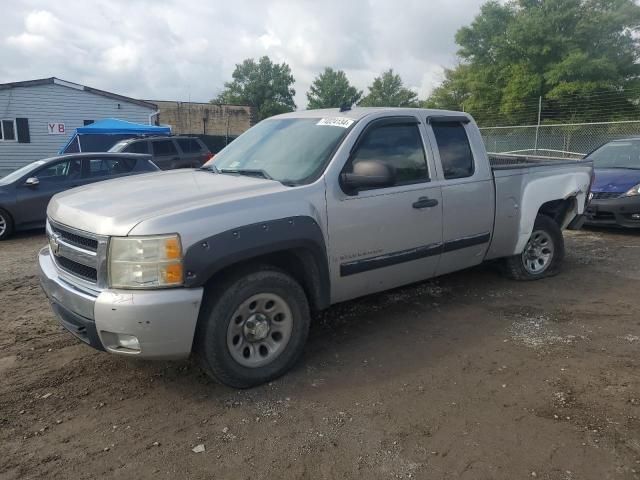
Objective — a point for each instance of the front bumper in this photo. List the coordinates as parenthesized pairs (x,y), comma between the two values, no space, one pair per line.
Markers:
(162,321)
(614,212)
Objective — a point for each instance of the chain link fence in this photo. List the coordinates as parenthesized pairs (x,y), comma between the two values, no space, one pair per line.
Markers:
(568,140)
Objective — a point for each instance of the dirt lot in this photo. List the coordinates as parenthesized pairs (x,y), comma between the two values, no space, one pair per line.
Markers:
(469,376)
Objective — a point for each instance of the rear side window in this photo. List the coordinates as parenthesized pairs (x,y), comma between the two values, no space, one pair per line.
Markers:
(189,145)
(164,147)
(104,167)
(400,147)
(455,151)
(137,147)
(61,171)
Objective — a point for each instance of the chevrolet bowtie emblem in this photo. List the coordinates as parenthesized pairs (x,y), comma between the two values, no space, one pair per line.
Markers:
(54,244)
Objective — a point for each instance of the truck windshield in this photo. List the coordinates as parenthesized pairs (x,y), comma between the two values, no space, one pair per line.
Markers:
(290,150)
(620,154)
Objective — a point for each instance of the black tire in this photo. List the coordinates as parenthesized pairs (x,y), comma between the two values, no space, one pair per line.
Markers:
(219,311)
(515,268)
(6,225)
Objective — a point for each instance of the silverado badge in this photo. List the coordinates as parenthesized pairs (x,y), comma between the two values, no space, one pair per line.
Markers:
(54,244)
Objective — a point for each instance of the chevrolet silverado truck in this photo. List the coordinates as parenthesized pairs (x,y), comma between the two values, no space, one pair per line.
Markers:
(304,210)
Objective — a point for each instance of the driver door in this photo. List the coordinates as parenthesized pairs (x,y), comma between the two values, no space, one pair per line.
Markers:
(386,237)
(53,178)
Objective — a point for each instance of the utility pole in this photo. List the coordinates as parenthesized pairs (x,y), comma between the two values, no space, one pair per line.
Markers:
(538,124)
(226,139)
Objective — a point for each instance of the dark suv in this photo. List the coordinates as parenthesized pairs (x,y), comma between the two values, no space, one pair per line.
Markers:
(168,152)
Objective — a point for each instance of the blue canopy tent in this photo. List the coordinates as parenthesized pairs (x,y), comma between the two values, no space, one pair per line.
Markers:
(103,134)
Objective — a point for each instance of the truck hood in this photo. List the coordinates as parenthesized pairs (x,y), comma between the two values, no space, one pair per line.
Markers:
(615,180)
(114,207)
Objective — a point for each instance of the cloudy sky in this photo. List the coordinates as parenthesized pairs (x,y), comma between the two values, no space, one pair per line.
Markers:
(184,49)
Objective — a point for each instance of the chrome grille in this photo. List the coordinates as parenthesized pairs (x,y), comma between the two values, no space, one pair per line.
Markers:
(77,240)
(75,268)
(80,255)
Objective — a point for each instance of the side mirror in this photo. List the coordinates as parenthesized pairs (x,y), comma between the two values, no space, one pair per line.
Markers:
(32,182)
(366,175)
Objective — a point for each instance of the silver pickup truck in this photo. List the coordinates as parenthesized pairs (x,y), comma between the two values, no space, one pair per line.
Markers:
(304,210)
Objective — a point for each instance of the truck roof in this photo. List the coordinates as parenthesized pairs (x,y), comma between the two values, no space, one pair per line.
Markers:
(360,112)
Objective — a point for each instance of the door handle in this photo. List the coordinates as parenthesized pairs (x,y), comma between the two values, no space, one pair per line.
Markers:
(425,202)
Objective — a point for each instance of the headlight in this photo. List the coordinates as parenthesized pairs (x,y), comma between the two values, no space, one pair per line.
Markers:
(633,191)
(145,262)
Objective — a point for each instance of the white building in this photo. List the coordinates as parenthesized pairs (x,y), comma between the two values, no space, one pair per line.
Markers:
(37,117)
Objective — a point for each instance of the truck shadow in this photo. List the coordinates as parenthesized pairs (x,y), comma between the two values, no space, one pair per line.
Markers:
(382,329)
(619,231)
(400,331)
(352,322)
(26,234)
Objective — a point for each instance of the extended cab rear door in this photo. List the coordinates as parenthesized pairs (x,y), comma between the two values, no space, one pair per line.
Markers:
(385,237)
(467,191)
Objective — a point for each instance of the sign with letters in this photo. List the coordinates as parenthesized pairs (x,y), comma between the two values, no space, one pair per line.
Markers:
(56,128)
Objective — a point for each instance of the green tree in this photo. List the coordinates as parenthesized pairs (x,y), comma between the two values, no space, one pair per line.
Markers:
(453,91)
(264,85)
(387,90)
(569,52)
(332,89)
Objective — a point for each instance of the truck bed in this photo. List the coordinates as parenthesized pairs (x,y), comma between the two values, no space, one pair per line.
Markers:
(522,184)
(504,161)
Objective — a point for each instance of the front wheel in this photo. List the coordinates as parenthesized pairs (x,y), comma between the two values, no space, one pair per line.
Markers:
(542,255)
(6,225)
(254,329)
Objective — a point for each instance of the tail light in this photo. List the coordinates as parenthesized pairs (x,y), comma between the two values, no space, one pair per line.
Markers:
(588,193)
(208,156)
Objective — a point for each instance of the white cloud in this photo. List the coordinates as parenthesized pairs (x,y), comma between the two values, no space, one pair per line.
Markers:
(43,22)
(27,42)
(270,39)
(121,58)
(180,50)
(41,31)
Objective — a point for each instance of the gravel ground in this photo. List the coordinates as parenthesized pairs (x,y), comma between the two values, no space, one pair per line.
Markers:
(467,376)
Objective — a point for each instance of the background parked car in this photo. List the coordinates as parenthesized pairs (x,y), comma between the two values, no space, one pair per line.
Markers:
(25,193)
(615,195)
(168,152)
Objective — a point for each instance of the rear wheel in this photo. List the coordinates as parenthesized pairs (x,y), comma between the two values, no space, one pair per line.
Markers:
(6,224)
(254,329)
(542,255)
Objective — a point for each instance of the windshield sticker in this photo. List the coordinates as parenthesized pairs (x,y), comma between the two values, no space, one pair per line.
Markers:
(341,122)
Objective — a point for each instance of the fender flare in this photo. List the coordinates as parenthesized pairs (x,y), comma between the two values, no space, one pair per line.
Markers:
(300,236)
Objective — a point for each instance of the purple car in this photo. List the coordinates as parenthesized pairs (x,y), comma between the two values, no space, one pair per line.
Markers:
(615,193)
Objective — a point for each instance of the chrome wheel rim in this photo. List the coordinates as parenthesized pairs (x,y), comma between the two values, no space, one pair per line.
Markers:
(538,252)
(3,225)
(259,330)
